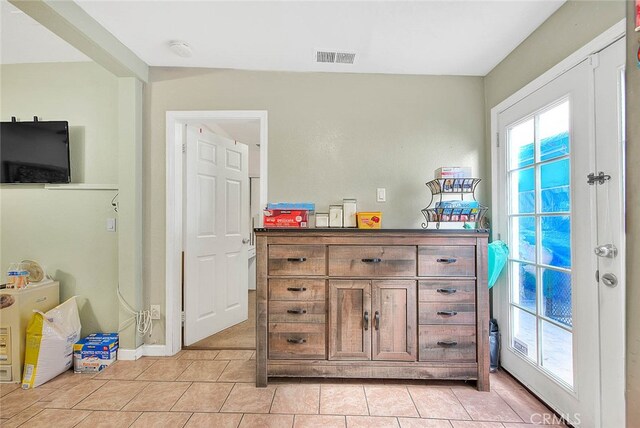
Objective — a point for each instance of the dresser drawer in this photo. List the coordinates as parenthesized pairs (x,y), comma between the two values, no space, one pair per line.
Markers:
(297,341)
(446,313)
(297,259)
(445,260)
(297,289)
(295,311)
(447,291)
(372,260)
(447,343)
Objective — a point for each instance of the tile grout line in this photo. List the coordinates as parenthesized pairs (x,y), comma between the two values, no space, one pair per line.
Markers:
(509,405)
(414,403)
(462,405)
(366,400)
(181,395)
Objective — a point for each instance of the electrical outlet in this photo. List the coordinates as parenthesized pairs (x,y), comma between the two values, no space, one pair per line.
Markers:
(155,312)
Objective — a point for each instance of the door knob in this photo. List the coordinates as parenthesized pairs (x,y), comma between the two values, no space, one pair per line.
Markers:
(609,279)
(245,240)
(607,250)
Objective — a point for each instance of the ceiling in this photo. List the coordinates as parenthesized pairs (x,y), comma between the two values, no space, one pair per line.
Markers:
(396,37)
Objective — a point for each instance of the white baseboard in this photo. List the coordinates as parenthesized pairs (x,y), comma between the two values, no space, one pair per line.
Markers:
(143,351)
(130,354)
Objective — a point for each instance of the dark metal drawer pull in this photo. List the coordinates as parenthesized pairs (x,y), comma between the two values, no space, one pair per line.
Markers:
(296,311)
(377,319)
(447,260)
(366,320)
(446,290)
(297,259)
(296,289)
(297,341)
(448,313)
(376,260)
(447,343)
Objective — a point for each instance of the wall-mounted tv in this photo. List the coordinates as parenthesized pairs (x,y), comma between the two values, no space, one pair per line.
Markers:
(34,152)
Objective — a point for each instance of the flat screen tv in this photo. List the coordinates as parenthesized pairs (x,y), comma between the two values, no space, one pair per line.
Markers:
(34,152)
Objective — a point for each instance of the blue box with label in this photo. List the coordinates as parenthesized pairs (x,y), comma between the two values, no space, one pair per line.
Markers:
(95,352)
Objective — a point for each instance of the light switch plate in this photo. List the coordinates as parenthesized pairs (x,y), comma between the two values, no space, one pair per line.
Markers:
(381,194)
(111,225)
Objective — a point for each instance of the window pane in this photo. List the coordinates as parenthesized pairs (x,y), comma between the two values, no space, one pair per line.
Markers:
(556,293)
(523,191)
(524,333)
(523,242)
(523,285)
(521,139)
(554,185)
(553,132)
(556,241)
(557,351)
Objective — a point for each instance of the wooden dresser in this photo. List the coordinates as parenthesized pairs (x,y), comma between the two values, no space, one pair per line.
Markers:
(349,303)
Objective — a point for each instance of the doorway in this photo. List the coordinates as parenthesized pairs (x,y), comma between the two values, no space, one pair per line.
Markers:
(206,160)
(560,197)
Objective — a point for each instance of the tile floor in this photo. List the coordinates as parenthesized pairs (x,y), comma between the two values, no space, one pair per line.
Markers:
(216,389)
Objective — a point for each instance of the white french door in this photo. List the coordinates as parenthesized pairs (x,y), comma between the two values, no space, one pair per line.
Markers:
(562,317)
(216,234)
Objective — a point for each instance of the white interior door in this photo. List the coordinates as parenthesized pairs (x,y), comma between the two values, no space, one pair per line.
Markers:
(555,314)
(216,234)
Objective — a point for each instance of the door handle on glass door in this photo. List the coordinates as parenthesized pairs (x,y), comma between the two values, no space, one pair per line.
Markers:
(607,250)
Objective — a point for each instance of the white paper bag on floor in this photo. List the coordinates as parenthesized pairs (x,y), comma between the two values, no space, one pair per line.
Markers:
(50,340)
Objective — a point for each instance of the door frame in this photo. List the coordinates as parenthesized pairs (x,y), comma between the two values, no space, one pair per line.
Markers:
(608,37)
(174,207)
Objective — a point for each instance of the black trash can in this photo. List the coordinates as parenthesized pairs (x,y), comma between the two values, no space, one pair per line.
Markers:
(494,345)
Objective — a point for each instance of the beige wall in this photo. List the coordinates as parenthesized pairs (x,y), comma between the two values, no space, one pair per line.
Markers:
(331,136)
(65,229)
(633,221)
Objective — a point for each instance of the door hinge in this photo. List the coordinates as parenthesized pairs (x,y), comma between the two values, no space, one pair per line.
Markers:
(497,139)
(594,60)
(182,318)
(184,147)
(597,275)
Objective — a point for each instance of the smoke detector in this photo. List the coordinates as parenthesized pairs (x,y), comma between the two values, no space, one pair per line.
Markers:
(334,57)
(180,48)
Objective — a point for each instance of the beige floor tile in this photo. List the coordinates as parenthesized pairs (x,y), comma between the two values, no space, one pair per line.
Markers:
(125,370)
(423,423)
(371,421)
(316,421)
(67,380)
(343,400)
(526,406)
(157,397)
(59,418)
(161,420)
(296,399)
(239,371)
(267,421)
(165,370)
(204,371)
(22,417)
(390,401)
(66,399)
(246,398)
(485,406)
(18,400)
(112,396)
(109,419)
(214,420)
(203,397)
(6,388)
(437,403)
(234,355)
(501,380)
(203,354)
(551,424)
(476,424)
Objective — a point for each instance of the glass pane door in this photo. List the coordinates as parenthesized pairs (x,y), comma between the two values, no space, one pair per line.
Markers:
(539,218)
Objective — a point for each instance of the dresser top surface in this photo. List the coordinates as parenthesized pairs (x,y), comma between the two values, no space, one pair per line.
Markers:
(372,232)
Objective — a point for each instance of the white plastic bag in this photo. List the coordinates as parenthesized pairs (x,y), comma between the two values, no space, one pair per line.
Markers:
(49,346)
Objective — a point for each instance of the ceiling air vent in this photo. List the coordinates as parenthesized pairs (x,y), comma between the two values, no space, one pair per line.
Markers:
(335,57)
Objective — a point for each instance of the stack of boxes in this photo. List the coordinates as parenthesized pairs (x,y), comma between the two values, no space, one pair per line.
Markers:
(95,352)
(286,214)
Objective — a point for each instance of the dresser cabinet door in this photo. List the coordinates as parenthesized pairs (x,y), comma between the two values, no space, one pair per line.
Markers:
(350,320)
(394,320)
